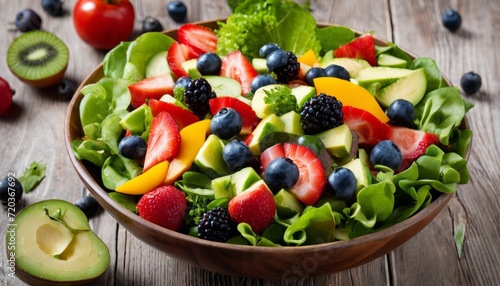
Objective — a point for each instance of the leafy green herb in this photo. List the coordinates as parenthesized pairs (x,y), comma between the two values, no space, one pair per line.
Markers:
(282,99)
(199,194)
(179,93)
(32,176)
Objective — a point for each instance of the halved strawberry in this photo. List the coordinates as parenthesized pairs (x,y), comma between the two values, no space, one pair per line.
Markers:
(164,140)
(412,143)
(254,206)
(165,206)
(362,47)
(248,116)
(177,54)
(200,38)
(370,129)
(181,116)
(235,65)
(153,87)
(271,153)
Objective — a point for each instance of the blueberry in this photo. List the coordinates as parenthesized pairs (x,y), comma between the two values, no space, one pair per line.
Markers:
(66,88)
(88,205)
(281,173)
(209,64)
(386,153)
(28,20)
(10,188)
(151,24)
(260,81)
(183,81)
(401,112)
(337,71)
(470,82)
(313,73)
(226,123)
(237,155)
(277,60)
(452,20)
(342,183)
(53,7)
(133,147)
(266,49)
(177,10)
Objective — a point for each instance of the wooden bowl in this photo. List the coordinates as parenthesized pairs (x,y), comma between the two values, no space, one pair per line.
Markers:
(247,261)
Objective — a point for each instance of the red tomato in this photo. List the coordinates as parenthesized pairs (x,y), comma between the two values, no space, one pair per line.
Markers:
(103,24)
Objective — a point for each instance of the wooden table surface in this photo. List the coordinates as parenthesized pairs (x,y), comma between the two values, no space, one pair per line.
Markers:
(33,131)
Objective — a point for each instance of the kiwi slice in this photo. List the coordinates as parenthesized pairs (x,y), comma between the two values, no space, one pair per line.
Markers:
(38,58)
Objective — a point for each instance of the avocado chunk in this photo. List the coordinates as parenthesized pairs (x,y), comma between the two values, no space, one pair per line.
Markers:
(171,99)
(353,66)
(261,108)
(209,158)
(291,120)
(234,184)
(158,65)
(271,123)
(411,87)
(361,171)
(302,93)
(60,249)
(386,60)
(224,86)
(190,68)
(259,64)
(337,140)
(286,204)
(376,78)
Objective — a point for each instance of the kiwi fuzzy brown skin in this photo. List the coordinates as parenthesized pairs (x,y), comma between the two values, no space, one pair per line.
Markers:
(50,71)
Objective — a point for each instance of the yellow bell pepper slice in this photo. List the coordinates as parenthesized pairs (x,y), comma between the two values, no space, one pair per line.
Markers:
(309,58)
(350,94)
(146,181)
(192,138)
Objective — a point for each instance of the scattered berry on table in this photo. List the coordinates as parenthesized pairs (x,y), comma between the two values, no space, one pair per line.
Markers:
(88,205)
(28,20)
(321,113)
(226,123)
(452,20)
(260,81)
(236,155)
(53,7)
(183,81)
(197,95)
(133,147)
(266,49)
(401,112)
(66,88)
(209,64)
(313,73)
(10,187)
(151,24)
(281,173)
(471,82)
(165,206)
(342,183)
(386,153)
(6,93)
(284,64)
(216,225)
(177,10)
(337,71)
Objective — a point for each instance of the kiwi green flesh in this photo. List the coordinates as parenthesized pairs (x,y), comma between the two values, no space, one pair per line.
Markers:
(38,58)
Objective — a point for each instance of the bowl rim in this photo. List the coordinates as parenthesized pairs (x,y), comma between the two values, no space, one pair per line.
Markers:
(100,193)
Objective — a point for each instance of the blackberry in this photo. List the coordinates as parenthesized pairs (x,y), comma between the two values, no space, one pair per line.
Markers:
(284,64)
(216,225)
(197,95)
(321,113)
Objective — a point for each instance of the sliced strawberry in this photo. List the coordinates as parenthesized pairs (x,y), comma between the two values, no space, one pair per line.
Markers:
(181,116)
(235,65)
(362,47)
(254,206)
(165,206)
(200,38)
(177,54)
(164,140)
(370,129)
(153,87)
(248,116)
(412,143)
(271,153)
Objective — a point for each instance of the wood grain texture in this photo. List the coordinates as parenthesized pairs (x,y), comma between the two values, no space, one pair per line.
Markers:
(33,130)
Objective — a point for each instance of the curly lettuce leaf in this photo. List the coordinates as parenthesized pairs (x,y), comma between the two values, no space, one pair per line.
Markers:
(314,226)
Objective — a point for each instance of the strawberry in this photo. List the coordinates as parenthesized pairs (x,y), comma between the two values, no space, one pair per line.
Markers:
(201,39)
(412,143)
(165,206)
(235,65)
(254,206)
(164,140)
(181,116)
(362,47)
(154,87)
(370,129)
(248,116)
(177,54)
(271,153)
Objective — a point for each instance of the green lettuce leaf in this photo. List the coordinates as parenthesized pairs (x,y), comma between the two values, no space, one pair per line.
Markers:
(32,176)
(314,226)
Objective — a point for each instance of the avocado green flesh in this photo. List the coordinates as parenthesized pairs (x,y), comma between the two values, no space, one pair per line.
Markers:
(411,87)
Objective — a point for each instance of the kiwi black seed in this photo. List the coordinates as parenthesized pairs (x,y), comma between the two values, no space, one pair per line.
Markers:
(38,58)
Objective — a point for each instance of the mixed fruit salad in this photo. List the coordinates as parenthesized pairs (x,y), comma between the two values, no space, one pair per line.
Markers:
(269,130)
